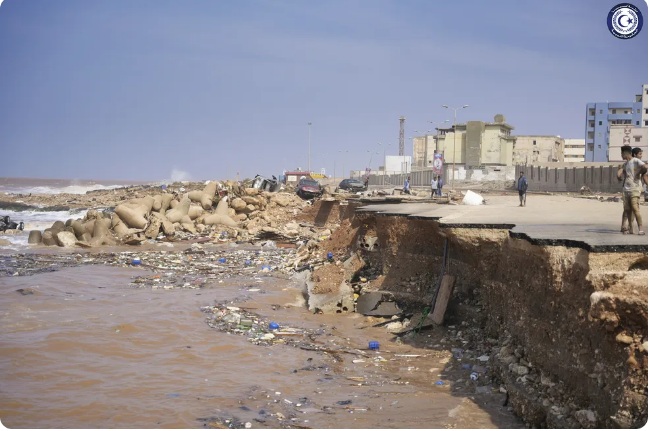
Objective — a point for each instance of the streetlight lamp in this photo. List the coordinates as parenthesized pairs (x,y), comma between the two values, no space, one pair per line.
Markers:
(454,137)
(309,165)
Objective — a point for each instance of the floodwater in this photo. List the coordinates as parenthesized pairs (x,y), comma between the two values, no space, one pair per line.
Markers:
(88,350)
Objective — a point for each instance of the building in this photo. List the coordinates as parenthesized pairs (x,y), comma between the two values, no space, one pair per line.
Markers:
(574,150)
(626,135)
(397,164)
(601,116)
(477,143)
(538,148)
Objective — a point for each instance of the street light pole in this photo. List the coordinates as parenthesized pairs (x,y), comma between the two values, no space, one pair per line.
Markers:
(454,138)
(309,123)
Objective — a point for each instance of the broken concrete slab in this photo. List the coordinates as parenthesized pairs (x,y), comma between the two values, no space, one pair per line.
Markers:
(377,303)
(443,296)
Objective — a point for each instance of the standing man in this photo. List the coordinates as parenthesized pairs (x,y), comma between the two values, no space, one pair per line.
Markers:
(637,153)
(406,186)
(521,185)
(631,173)
(440,184)
(433,187)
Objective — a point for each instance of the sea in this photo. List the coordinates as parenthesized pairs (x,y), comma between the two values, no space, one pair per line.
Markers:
(86,346)
(40,218)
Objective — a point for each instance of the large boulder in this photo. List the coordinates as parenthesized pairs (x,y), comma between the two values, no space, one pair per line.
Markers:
(281,199)
(238,204)
(66,239)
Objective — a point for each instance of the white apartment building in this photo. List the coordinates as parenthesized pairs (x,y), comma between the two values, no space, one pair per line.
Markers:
(574,150)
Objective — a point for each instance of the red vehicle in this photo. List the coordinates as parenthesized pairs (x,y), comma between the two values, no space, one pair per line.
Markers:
(308,188)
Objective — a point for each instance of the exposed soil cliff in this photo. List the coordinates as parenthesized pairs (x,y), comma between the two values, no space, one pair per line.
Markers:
(567,328)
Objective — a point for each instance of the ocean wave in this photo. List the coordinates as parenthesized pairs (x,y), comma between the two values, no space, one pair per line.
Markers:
(48,190)
(39,220)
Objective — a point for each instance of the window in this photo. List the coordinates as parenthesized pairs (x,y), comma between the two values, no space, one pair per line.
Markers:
(614,111)
(599,146)
(591,112)
(600,123)
(626,111)
(645,122)
(637,123)
(637,138)
(637,111)
(534,142)
(646,110)
(591,147)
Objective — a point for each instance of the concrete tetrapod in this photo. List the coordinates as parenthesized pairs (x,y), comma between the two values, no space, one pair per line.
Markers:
(35,237)
(101,234)
(134,214)
(176,214)
(220,216)
(205,197)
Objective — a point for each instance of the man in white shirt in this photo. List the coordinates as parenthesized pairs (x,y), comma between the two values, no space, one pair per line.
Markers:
(433,186)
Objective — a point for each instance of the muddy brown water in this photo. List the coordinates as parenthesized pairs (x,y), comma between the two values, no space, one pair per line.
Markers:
(89,350)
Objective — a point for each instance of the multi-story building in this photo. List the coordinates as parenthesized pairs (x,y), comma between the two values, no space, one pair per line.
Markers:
(538,148)
(601,116)
(574,150)
(477,143)
(626,135)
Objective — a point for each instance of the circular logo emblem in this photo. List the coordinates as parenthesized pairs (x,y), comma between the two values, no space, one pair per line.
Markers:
(624,21)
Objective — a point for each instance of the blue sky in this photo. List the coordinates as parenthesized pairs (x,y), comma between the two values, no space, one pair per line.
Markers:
(136,90)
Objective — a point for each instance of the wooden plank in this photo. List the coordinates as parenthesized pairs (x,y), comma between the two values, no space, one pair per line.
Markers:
(443,296)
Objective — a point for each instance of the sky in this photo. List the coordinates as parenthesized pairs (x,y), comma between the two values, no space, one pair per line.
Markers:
(204,89)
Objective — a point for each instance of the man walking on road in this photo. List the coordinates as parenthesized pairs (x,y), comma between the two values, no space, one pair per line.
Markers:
(406,186)
(521,185)
(433,187)
(440,184)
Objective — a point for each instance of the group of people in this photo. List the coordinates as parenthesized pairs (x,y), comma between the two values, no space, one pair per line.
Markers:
(633,174)
(435,186)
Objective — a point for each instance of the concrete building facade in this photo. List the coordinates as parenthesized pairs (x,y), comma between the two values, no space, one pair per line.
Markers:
(475,144)
(574,150)
(529,149)
(627,135)
(601,116)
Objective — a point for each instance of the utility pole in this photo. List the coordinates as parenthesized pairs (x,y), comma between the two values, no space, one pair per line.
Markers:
(309,164)
(402,143)
(454,137)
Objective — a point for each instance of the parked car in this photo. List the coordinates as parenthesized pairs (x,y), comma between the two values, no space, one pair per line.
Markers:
(308,188)
(351,185)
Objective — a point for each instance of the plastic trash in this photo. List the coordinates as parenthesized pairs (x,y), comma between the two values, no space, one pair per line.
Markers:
(248,262)
(374,345)
(330,256)
(472,198)
(222,260)
(273,326)
(474,376)
(136,261)
(439,382)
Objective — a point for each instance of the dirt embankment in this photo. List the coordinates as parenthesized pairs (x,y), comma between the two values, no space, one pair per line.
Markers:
(567,328)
